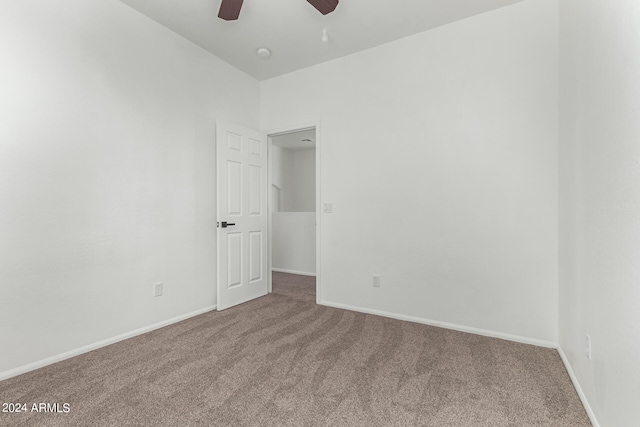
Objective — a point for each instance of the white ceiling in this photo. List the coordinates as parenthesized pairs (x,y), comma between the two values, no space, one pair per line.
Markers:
(292,29)
(295,140)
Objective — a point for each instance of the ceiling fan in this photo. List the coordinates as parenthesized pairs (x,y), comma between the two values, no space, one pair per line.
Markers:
(230,9)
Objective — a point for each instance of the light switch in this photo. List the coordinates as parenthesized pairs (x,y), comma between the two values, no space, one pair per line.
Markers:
(327,207)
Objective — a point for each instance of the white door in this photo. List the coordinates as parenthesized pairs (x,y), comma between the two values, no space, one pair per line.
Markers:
(242,214)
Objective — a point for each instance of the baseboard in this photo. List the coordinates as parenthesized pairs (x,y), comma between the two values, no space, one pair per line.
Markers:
(87,348)
(483,332)
(576,385)
(302,273)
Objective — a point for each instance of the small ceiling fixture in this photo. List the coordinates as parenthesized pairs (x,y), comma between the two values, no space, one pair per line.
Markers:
(263,52)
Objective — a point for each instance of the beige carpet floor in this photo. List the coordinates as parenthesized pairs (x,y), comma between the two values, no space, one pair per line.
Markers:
(281,360)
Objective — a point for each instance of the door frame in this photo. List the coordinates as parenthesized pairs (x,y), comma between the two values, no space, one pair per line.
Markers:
(281,131)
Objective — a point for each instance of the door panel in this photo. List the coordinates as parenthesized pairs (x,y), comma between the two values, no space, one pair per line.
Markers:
(255,256)
(255,190)
(242,206)
(234,259)
(234,189)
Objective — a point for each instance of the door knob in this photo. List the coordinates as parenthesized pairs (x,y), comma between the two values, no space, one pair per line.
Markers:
(225,224)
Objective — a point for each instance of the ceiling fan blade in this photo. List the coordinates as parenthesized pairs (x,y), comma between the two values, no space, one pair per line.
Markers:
(324,6)
(230,9)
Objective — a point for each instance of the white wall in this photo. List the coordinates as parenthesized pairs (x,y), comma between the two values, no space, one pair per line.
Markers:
(276,169)
(294,242)
(294,172)
(440,156)
(304,181)
(298,170)
(293,230)
(286,171)
(107,173)
(600,203)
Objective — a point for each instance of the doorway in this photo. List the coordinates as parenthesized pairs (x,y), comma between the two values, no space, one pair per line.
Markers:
(294,203)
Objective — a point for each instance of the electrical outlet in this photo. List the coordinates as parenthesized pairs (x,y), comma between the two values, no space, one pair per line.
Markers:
(376,280)
(157,290)
(587,345)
